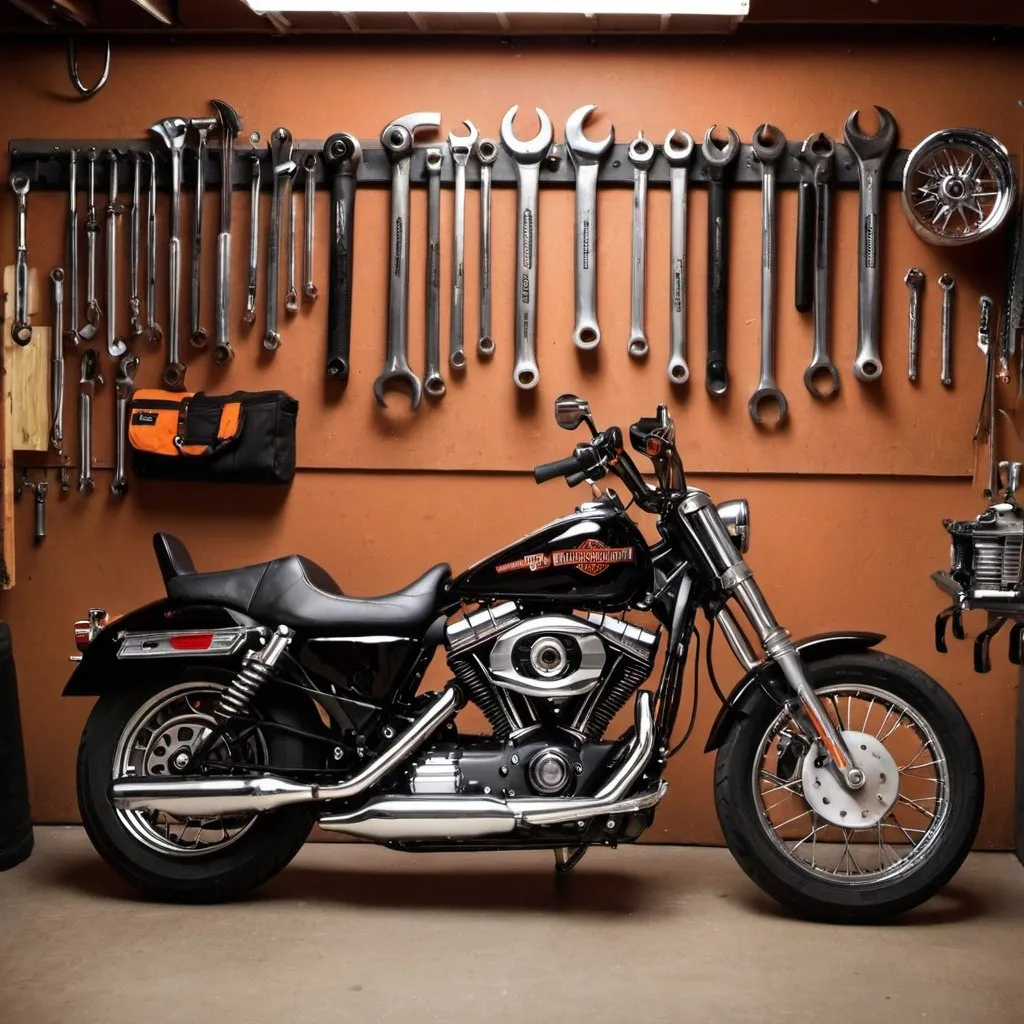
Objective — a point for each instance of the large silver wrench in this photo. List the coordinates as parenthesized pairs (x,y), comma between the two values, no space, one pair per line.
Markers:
(309,289)
(527,156)
(461,147)
(134,237)
(57,363)
(116,345)
(88,330)
(284,173)
(229,124)
(586,155)
(397,140)
(153,329)
(641,156)
(818,153)
(433,382)
(90,377)
(92,231)
(203,127)
(872,153)
(21,329)
(249,316)
(486,154)
(124,385)
(172,132)
(678,150)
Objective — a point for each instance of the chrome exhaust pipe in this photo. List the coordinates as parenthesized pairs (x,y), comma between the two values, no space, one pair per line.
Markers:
(411,819)
(215,797)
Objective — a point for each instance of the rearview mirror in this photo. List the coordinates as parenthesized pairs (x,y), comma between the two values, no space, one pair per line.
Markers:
(571,411)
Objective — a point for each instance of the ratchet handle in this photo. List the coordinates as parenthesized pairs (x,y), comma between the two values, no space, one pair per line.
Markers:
(339,308)
(718,255)
(804,295)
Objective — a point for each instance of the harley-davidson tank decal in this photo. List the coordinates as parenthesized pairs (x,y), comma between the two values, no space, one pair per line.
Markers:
(592,557)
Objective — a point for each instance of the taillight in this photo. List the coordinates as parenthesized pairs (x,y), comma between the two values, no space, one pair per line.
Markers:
(86,630)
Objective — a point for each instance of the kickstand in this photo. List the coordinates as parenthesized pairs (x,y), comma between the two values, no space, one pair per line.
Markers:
(563,863)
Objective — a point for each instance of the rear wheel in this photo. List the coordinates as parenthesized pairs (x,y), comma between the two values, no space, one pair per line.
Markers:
(839,856)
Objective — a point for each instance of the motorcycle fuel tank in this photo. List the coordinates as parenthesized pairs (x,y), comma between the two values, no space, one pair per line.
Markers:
(595,558)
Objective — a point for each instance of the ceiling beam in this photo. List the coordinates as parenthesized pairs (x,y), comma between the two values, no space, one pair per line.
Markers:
(161,10)
(51,12)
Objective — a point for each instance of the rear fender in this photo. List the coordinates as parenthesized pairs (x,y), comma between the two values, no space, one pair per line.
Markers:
(101,671)
(811,649)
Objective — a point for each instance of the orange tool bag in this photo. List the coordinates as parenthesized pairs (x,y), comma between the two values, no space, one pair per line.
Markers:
(246,437)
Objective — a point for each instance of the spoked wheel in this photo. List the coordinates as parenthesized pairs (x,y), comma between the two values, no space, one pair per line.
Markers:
(838,855)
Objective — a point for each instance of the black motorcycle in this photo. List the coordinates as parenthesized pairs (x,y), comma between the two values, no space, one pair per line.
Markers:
(251,703)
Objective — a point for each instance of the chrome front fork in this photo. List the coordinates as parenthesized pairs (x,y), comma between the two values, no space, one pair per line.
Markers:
(709,533)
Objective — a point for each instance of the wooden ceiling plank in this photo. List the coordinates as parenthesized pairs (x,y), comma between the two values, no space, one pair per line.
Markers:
(161,10)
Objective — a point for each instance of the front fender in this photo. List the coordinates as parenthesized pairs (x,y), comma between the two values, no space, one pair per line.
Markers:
(100,671)
(811,648)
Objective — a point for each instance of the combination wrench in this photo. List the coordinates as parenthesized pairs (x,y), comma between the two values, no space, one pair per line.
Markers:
(342,155)
(914,282)
(678,150)
(818,153)
(229,125)
(486,154)
(134,237)
(309,289)
(124,385)
(203,126)
(768,145)
(89,329)
(153,329)
(947,283)
(57,363)
(88,381)
(284,169)
(718,158)
(527,157)
(21,330)
(291,292)
(92,231)
(461,148)
(586,155)
(641,156)
(397,140)
(433,382)
(172,132)
(255,182)
(116,345)
(872,153)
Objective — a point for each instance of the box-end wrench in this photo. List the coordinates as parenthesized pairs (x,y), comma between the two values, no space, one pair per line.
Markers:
(92,232)
(433,382)
(153,329)
(872,153)
(57,363)
(284,169)
(134,237)
(718,158)
(641,155)
(527,156)
(678,150)
(73,335)
(397,140)
(124,385)
(821,378)
(947,282)
(768,145)
(461,148)
(229,124)
(914,282)
(21,329)
(172,132)
(486,154)
(89,379)
(342,156)
(203,126)
(309,289)
(116,345)
(586,155)
(249,316)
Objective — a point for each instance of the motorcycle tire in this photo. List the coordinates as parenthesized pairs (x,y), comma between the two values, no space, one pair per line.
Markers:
(812,891)
(264,846)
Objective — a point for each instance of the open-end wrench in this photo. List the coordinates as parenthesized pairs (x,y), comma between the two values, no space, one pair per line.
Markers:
(229,124)
(284,168)
(461,148)
(57,363)
(433,382)
(116,345)
(947,282)
(914,282)
(172,132)
(872,153)
(678,149)
(718,158)
(21,329)
(249,316)
(309,285)
(134,237)
(821,378)
(486,154)
(88,330)
(92,231)
(527,157)
(203,126)
(90,378)
(342,155)
(124,385)
(397,140)
(768,145)
(586,155)
(153,329)
(641,155)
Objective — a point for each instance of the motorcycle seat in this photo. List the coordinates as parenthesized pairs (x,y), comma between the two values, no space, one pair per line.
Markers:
(296,592)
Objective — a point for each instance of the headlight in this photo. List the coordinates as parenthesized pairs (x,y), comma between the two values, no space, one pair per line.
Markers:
(736,517)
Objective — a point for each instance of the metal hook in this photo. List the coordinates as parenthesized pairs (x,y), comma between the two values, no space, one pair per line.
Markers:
(76,81)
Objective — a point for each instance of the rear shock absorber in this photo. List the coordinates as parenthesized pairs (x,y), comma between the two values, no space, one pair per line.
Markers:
(257,669)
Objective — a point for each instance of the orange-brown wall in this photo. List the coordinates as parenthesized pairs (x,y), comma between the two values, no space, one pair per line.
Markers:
(847,501)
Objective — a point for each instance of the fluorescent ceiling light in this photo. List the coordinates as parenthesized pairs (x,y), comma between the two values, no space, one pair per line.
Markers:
(723,8)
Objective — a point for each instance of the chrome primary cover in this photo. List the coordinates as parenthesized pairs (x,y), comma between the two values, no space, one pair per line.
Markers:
(549,656)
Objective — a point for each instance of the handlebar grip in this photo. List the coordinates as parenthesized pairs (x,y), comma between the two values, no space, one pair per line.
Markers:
(550,470)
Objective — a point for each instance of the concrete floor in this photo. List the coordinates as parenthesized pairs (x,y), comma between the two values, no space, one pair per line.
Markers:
(362,934)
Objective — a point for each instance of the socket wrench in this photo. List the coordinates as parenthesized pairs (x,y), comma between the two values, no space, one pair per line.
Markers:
(88,381)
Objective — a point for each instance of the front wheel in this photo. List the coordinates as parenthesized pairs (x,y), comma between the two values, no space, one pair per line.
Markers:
(833,855)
